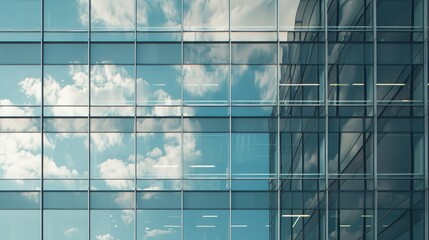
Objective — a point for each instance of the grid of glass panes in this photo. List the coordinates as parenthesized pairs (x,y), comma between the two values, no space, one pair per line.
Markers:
(214,119)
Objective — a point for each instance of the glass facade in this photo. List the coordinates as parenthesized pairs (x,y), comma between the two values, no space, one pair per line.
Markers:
(214,119)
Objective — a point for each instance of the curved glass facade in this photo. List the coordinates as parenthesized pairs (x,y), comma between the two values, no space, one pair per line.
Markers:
(214,119)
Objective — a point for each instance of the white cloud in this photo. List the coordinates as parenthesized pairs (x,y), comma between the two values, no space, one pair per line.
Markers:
(83,6)
(266,82)
(104,237)
(156,233)
(70,232)
(106,140)
(31,87)
(33,196)
(112,13)
(125,199)
(20,158)
(170,12)
(112,169)
(14,111)
(127,216)
(20,155)
(111,85)
(50,169)
(208,13)
(199,81)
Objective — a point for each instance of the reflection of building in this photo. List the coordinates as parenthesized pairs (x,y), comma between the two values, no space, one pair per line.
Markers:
(194,119)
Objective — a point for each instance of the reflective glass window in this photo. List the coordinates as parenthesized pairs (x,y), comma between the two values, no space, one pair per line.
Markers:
(65,224)
(159,155)
(160,85)
(400,13)
(20,15)
(67,160)
(112,161)
(66,15)
(12,221)
(20,53)
(159,53)
(252,224)
(259,81)
(20,200)
(21,156)
(112,53)
(20,85)
(66,85)
(300,14)
(111,224)
(205,224)
(244,17)
(253,155)
(205,84)
(206,14)
(255,53)
(347,13)
(159,224)
(112,85)
(205,154)
(206,53)
(159,15)
(65,200)
(113,15)
(56,53)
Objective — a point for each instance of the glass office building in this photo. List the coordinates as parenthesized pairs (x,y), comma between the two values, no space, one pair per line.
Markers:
(213,119)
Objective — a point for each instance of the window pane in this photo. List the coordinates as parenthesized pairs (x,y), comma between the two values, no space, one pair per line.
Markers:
(158,200)
(206,14)
(20,200)
(159,155)
(65,53)
(20,15)
(159,53)
(206,224)
(112,85)
(400,13)
(20,85)
(66,15)
(206,200)
(253,224)
(68,159)
(65,200)
(205,154)
(255,53)
(66,85)
(12,222)
(260,84)
(113,15)
(346,13)
(112,160)
(165,222)
(20,53)
(244,17)
(112,224)
(159,85)
(159,15)
(65,224)
(300,14)
(112,200)
(20,154)
(205,84)
(206,53)
(115,53)
(253,155)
